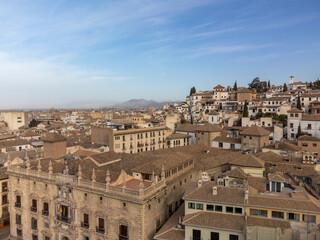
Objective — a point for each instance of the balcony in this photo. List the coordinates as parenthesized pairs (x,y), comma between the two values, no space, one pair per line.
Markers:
(63,219)
(100,230)
(45,213)
(5,202)
(17,205)
(85,225)
(33,209)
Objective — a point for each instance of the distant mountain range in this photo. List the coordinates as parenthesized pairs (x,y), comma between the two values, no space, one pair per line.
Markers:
(141,103)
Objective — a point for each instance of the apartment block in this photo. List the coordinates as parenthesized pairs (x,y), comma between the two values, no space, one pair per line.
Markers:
(14,120)
(131,140)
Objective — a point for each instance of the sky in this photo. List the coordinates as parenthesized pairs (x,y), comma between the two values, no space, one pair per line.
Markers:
(67,53)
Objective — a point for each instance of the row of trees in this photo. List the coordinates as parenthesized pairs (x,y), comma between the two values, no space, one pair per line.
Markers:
(263,86)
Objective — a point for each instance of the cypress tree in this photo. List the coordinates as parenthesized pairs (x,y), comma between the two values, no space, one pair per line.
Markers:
(285,88)
(235,86)
(299,133)
(299,103)
(245,110)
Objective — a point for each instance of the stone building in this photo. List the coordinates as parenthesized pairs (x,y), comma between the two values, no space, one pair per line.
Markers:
(177,140)
(55,145)
(244,95)
(131,140)
(254,138)
(309,144)
(14,120)
(309,124)
(4,194)
(188,129)
(207,132)
(102,196)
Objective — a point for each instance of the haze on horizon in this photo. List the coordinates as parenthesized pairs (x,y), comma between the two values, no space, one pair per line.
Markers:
(55,53)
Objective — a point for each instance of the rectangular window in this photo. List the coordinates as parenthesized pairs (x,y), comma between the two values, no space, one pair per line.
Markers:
(291,125)
(123,232)
(218,208)
(258,212)
(276,214)
(19,232)
(45,210)
(210,207)
(214,236)
(100,227)
(314,144)
(229,209)
(309,218)
(191,205)
(233,237)
(196,234)
(101,223)
(199,206)
(5,187)
(293,216)
(65,212)
(18,219)
(4,199)
(34,223)
(34,205)
(238,210)
(220,145)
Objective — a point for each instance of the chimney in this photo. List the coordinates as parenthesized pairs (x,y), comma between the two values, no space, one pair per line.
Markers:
(199,183)
(214,190)
(226,181)
(276,144)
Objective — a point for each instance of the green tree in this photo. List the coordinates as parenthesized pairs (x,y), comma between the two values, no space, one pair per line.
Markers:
(299,133)
(269,84)
(192,90)
(299,103)
(235,86)
(285,88)
(316,84)
(258,85)
(245,110)
(33,123)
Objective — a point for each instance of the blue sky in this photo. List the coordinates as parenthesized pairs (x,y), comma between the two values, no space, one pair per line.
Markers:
(59,53)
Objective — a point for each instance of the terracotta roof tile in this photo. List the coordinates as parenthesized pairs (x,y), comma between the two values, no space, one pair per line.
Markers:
(255,131)
(226,195)
(248,160)
(215,220)
(54,137)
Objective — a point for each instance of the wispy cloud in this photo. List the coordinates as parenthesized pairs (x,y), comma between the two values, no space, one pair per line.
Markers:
(225,49)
